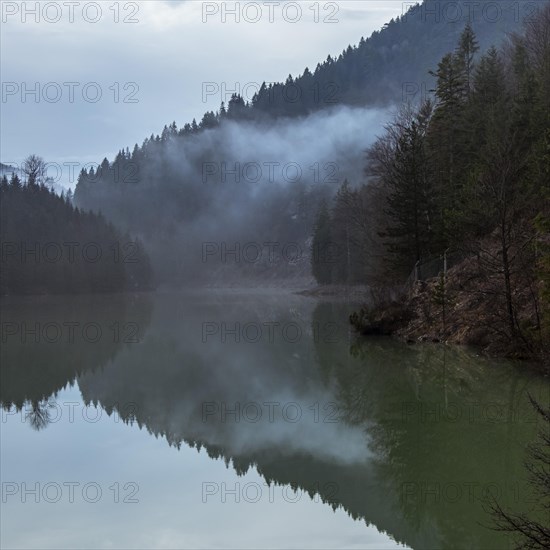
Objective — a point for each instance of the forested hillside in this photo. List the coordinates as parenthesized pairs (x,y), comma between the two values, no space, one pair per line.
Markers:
(392,64)
(199,184)
(469,174)
(51,247)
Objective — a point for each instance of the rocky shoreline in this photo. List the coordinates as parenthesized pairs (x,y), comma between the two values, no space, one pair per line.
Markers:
(460,310)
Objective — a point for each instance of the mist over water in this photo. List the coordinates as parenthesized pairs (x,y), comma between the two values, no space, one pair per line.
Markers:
(316,315)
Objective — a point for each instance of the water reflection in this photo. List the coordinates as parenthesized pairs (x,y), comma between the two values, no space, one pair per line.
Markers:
(409,439)
(48,341)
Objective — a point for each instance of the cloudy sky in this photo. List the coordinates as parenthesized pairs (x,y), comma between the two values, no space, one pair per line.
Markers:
(81,80)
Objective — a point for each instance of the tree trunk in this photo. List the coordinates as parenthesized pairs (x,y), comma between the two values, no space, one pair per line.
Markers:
(507,282)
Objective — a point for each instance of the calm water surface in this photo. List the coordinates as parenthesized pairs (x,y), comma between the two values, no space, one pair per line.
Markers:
(248,420)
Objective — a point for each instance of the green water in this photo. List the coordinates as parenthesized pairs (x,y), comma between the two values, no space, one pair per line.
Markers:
(307,436)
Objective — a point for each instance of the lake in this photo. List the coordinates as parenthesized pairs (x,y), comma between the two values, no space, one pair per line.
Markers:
(249,420)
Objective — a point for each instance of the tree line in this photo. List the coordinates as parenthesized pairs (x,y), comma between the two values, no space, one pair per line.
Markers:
(466,170)
(50,247)
(152,190)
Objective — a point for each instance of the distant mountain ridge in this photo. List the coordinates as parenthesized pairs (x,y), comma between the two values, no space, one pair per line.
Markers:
(392,65)
(394,62)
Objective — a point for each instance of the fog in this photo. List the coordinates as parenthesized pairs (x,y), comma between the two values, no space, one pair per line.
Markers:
(291,147)
(239,185)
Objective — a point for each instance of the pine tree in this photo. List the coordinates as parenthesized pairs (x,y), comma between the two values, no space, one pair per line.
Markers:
(448,139)
(322,251)
(409,203)
(34,217)
(341,232)
(467,48)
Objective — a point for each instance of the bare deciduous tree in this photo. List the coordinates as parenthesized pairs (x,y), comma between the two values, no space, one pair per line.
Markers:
(34,168)
(531,533)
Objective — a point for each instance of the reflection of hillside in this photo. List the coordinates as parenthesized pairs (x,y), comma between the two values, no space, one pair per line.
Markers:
(387,438)
(33,368)
(451,424)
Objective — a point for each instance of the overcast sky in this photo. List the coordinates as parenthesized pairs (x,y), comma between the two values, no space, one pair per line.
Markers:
(151,63)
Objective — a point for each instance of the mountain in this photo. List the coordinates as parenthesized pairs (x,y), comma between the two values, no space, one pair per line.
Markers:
(196,186)
(393,64)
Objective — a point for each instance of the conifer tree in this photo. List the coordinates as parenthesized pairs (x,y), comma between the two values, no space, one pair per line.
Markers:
(322,251)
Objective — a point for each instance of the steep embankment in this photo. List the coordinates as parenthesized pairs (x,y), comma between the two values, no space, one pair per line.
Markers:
(466,307)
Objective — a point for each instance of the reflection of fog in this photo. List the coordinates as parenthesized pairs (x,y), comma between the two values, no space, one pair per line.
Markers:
(244,397)
(292,424)
(199,393)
